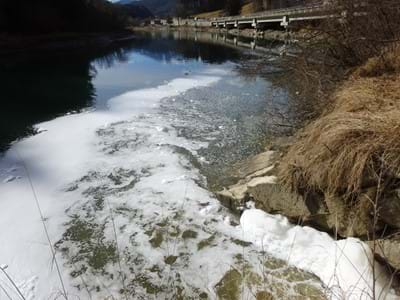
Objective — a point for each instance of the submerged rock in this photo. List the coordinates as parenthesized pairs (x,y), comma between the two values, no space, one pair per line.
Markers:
(246,282)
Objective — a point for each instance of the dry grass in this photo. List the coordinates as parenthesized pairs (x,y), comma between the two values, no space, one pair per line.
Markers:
(248,9)
(354,144)
(388,62)
(344,152)
(211,14)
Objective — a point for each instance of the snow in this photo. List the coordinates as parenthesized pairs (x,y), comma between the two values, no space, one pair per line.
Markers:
(344,266)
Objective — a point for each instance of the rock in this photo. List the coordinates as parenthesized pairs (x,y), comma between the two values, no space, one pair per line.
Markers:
(388,250)
(267,194)
(264,295)
(352,220)
(271,197)
(389,209)
(234,198)
(260,186)
(263,162)
(325,212)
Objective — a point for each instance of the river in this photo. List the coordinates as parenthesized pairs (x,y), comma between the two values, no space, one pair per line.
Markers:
(110,157)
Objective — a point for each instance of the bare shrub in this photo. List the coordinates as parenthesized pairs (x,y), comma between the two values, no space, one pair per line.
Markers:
(387,62)
(362,30)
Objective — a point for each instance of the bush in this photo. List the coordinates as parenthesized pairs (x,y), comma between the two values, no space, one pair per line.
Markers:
(363,29)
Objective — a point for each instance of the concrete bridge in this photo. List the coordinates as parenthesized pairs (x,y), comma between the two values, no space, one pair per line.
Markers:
(280,17)
(272,18)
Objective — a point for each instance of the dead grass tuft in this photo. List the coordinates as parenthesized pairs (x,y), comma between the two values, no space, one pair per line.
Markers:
(354,143)
(344,152)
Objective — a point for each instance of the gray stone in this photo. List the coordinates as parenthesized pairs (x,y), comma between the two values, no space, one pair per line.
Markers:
(272,198)
(389,209)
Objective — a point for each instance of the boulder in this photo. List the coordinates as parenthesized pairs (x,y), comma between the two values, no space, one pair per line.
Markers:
(260,185)
(272,198)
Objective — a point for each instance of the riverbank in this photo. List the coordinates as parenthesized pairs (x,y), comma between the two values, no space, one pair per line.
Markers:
(340,173)
(273,35)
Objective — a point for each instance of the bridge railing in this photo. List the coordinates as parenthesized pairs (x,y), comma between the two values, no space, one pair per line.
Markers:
(303,9)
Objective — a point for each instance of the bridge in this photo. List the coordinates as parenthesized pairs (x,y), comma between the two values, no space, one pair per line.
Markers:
(282,17)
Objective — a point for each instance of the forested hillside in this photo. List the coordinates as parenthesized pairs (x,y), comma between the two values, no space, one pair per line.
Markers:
(157,7)
(51,16)
(48,16)
(190,7)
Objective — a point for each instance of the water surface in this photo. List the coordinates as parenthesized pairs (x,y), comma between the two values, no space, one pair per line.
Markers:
(119,148)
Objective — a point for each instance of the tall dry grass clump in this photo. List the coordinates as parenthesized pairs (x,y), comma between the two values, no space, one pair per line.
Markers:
(343,153)
(355,143)
(352,141)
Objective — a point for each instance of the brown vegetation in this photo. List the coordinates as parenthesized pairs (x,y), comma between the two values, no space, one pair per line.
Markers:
(351,141)
(355,143)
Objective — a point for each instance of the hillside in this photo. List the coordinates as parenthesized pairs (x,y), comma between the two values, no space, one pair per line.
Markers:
(157,7)
(47,16)
(136,11)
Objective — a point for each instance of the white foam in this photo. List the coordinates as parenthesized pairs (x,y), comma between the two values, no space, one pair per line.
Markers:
(343,266)
(64,151)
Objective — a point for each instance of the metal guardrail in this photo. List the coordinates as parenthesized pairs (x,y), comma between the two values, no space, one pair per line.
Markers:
(297,10)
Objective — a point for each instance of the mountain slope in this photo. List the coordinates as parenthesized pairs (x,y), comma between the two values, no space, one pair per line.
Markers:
(157,7)
(134,10)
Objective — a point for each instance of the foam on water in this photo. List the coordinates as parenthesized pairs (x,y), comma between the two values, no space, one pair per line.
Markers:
(68,149)
(128,212)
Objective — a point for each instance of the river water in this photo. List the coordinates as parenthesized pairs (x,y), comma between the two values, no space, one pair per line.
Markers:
(113,153)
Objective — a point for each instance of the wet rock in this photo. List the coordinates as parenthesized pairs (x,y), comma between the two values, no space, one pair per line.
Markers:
(169,260)
(352,220)
(274,280)
(189,234)
(229,286)
(235,197)
(389,209)
(206,243)
(258,184)
(157,240)
(263,295)
(267,195)
(271,197)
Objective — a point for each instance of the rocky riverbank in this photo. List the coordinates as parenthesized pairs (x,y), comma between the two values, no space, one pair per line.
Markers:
(306,176)
(267,34)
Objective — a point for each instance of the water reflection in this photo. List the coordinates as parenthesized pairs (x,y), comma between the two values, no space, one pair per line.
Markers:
(221,38)
(39,88)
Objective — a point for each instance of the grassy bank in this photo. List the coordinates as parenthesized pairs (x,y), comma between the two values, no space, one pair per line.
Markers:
(355,139)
